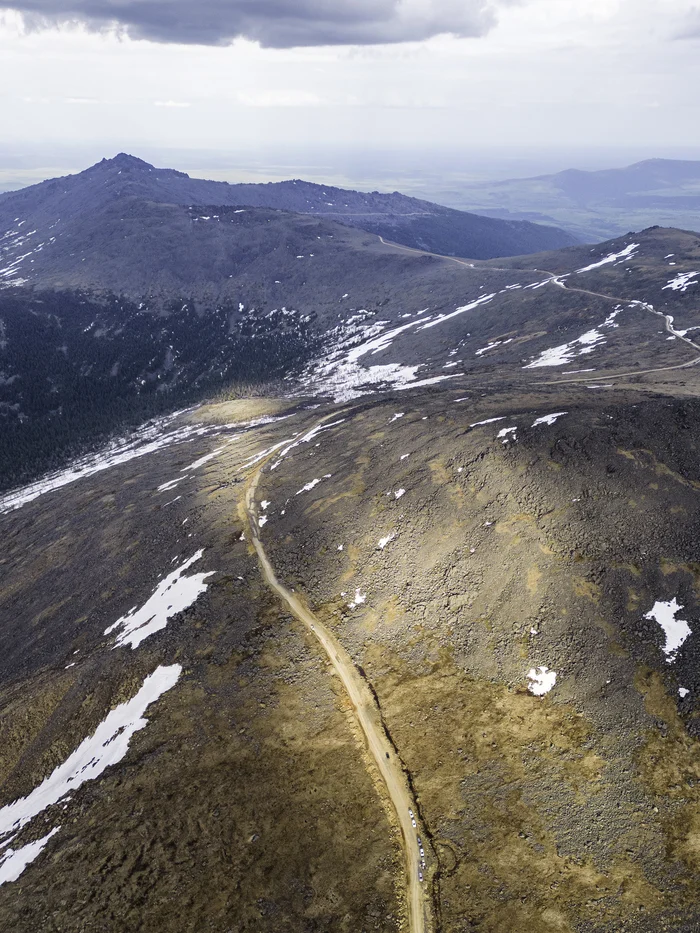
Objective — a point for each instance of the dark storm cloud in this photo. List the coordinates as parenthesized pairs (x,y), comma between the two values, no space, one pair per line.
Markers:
(274,23)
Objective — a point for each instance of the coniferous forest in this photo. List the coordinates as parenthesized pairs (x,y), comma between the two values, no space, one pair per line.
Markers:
(76,367)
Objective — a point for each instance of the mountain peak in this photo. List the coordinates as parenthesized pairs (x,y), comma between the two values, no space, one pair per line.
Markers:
(123,160)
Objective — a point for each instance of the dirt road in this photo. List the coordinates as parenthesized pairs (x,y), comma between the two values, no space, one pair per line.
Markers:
(668,323)
(557,280)
(377,741)
(423,252)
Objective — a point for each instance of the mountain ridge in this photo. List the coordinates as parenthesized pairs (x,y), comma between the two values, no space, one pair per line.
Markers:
(482,480)
(320,308)
(411,221)
(598,204)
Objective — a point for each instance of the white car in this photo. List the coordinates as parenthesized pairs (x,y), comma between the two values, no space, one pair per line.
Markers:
(420,875)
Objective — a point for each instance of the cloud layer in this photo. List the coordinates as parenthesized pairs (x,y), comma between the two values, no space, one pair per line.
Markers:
(272,23)
(690,26)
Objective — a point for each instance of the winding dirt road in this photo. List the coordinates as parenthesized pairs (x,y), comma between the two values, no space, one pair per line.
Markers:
(378,743)
(556,279)
(421,863)
(668,323)
(424,252)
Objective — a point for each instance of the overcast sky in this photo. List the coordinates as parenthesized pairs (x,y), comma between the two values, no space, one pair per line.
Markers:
(98,76)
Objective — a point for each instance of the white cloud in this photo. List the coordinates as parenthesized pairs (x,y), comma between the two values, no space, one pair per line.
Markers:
(552,73)
(279,98)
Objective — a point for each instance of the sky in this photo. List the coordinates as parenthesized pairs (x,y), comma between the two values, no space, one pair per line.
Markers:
(250,88)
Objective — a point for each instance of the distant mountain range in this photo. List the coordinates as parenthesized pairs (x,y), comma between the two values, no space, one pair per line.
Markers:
(597,205)
(117,206)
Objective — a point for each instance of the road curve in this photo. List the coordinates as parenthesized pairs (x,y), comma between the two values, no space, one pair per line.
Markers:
(378,743)
(556,279)
(668,323)
(425,252)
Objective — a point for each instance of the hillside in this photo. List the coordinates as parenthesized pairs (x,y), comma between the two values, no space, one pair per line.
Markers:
(346,317)
(600,204)
(508,565)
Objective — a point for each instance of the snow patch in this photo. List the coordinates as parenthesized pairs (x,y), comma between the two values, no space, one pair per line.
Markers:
(147,440)
(681,282)
(174,594)
(675,630)
(541,680)
(166,487)
(581,346)
(360,598)
(304,439)
(627,253)
(505,432)
(549,419)
(441,318)
(205,459)
(478,424)
(105,747)
(492,346)
(312,484)
(14,861)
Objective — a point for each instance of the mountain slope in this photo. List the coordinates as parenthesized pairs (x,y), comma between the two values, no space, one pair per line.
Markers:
(51,206)
(345,318)
(650,178)
(479,480)
(501,601)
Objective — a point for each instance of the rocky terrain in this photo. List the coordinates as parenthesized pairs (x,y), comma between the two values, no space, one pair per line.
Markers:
(281,296)
(499,568)
(406,642)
